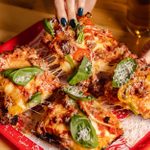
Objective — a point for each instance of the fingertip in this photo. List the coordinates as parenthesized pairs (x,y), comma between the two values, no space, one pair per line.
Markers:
(80,12)
(72,23)
(63,21)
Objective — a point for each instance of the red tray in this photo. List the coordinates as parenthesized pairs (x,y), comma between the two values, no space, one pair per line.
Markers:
(16,137)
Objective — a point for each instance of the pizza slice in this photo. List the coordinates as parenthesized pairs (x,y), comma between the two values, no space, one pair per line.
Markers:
(25,81)
(78,124)
(135,93)
(100,48)
(95,43)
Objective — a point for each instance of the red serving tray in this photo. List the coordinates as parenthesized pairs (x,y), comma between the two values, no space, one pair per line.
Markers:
(16,137)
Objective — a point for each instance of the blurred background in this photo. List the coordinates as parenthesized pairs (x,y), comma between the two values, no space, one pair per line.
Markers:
(16,15)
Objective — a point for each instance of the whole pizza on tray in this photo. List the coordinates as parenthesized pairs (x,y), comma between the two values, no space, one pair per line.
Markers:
(78,78)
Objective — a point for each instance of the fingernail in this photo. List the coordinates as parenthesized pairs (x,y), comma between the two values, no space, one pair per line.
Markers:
(80,11)
(72,23)
(63,22)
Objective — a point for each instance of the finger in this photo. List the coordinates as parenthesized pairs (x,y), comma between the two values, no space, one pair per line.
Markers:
(61,12)
(89,5)
(80,5)
(147,57)
(70,4)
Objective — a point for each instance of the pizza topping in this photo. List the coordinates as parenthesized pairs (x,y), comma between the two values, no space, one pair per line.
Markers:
(80,53)
(123,72)
(22,76)
(66,48)
(70,61)
(76,94)
(106,119)
(49,27)
(14,120)
(7,72)
(35,100)
(80,34)
(83,72)
(83,132)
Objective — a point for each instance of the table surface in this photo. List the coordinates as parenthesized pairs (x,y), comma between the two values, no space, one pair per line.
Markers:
(17,15)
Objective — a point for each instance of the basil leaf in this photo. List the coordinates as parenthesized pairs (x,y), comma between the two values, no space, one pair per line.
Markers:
(123,72)
(22,76)
(83,132)
(83,72)
(49,27)
(80,34)
(35,100)
(6,73)
(76,94)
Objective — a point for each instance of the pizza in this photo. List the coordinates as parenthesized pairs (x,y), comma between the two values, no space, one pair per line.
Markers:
(105,54)
(78,76)
(82,125)
(24,81)
(135,94)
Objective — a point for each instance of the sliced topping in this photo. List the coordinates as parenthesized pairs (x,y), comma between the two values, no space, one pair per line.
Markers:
(80,53)
(66,47)
(83,132)
(49,27)
(83,72)
(76,94)
(123,72)
(106,119)
(14,120)
(80,34)
(35,100)
(22,76)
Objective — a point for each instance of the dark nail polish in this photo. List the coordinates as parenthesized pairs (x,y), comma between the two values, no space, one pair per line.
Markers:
(72,23)
(63,22)
(80,11)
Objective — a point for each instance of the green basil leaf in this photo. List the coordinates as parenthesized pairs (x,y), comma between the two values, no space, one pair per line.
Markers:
(35,100)
(34,70)
(6,73)
(80,34)
(76,94)
(83,132)
(83,72)
(123,72)
(49,27)
(22,76)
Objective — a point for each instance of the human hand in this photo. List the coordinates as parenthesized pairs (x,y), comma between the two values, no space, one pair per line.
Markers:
(146,56)
(146,52)
(67,9)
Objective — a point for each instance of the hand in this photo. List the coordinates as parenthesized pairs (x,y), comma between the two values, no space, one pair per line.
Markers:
(147,57)
(146,52)
(67,10)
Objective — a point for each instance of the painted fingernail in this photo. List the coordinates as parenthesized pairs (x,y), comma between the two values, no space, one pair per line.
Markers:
(63,22)
(80,11)
(73,23)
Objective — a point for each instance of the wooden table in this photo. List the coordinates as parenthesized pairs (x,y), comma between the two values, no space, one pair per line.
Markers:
(17,15)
